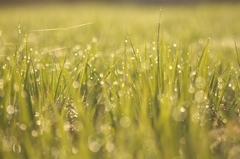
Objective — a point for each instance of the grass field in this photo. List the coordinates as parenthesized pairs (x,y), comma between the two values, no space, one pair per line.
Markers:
(124,86)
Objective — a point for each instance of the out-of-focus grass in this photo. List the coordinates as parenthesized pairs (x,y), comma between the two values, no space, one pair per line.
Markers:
(120,87)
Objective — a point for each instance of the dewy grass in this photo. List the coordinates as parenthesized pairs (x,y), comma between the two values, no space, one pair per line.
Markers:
(99,92)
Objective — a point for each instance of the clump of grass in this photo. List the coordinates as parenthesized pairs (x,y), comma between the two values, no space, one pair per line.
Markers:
(144,100)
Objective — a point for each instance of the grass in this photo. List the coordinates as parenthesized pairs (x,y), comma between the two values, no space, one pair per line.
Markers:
(122,87)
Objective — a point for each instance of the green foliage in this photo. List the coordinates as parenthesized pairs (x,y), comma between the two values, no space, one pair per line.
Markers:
(121,87)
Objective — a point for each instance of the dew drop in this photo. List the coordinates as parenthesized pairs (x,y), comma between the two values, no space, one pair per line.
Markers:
(16,87)
(66,126)
(6,144)
(34,133)
(191,89)
(182,109)
(10,109)
(220,79)
(125,122)
(16,148)
(89,47)
(75,84)
(220,86)
(224,121)
(94,40)
(24,94)
(90,83)
(121,93)
(193,73)
(38,122)
(200,96)
(179,114)
(110,147)
(23,127)
(94,146)
(108,108)
(115,83)
(74,150)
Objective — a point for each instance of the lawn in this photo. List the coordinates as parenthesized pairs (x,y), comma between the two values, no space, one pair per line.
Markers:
(120,81)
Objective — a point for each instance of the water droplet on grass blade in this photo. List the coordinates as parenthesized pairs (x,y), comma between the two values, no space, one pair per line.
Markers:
(34,133)
(121,93)
(10,109)
(6,144)
(115,83)
(75,84)
(16,87)
(220,86)
(94,146)
(110,147)
(16,148)
(200,96)
(125,122)
(94,40)
(24,94)
(66,126)
(224,121)
(90,83)
(89,47)
(191,89)
(220,79)
(23,127)
(182,109)
(179,114)
(108,108)
(74,150)
(38,122)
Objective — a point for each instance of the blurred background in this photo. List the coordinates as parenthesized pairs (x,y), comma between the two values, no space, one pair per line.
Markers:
(189,22)
(113,1)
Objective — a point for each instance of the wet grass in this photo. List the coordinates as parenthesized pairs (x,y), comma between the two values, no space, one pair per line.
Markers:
(125,86)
